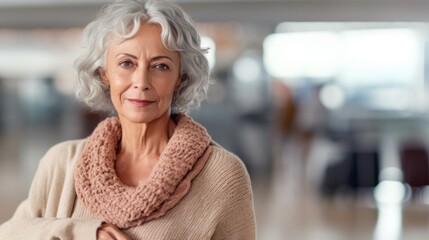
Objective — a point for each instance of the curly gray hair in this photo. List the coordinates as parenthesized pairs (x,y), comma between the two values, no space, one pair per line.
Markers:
(123,18)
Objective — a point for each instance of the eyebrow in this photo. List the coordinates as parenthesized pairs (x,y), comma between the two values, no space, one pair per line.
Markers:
(152,59)
(161,57)
(126,54)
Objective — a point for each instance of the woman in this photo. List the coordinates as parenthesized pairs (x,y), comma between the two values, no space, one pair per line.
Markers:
(151,172)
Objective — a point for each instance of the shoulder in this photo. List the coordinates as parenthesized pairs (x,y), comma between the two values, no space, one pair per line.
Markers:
(226,171)
(226,160)
(70,147)
(62,155)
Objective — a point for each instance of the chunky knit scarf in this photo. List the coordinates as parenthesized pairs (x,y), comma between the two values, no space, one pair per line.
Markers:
(102,192)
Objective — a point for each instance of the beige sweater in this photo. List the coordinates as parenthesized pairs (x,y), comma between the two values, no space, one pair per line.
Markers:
(219,204)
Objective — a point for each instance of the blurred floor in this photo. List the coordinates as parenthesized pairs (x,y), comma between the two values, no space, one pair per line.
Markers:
(290,207)
(287,205)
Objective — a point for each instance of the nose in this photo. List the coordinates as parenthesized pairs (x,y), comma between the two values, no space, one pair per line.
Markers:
(141,80)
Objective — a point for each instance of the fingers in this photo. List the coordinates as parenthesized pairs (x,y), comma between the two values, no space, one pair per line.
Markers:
(104,235)
(119,235)
(109,231)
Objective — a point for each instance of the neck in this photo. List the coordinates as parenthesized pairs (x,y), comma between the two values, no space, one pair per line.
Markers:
(145,139)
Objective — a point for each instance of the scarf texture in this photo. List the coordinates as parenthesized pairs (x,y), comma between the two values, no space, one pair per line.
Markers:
(106,196)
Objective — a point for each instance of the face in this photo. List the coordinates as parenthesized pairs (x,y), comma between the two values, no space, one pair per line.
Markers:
(142,76)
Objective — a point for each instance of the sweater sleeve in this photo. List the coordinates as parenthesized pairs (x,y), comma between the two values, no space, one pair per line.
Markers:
(237,221)
(45,214)
(49,228)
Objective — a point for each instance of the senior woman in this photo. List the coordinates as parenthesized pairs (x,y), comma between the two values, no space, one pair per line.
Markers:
(150,172)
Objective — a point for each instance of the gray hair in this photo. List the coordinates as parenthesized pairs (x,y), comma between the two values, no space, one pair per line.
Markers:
(123,18)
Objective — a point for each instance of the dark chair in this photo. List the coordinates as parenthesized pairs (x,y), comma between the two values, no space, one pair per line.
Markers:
(415,165)
(357,170)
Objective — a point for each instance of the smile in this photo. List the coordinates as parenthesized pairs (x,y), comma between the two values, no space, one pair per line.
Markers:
(139,102)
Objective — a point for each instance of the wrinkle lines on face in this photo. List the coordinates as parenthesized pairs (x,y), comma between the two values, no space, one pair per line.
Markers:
(142,75)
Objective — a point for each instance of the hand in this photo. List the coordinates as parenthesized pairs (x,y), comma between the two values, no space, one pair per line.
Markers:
(108,231)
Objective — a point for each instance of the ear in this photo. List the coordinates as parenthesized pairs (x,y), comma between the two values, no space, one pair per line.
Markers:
(182,78)
(103,76)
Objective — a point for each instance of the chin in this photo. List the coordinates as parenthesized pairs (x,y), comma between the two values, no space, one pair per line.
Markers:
(142,117)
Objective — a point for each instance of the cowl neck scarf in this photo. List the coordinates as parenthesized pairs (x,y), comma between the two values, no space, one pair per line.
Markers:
(106,196)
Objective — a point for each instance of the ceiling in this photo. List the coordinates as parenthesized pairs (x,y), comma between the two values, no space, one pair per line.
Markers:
(77,13)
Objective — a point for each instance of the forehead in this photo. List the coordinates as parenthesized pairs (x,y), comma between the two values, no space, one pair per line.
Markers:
(148,37)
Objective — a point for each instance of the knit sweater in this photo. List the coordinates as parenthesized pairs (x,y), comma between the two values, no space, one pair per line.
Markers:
(101,190)
(219,204)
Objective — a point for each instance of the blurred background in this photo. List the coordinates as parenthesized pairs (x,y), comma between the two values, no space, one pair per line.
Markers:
(325,101)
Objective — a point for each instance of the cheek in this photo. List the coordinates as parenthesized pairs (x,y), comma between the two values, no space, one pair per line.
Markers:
(167,90)
(117,85)
(118,82)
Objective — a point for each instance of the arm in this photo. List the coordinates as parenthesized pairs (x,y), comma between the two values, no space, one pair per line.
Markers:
(49,228)
(45,214)
(237,220)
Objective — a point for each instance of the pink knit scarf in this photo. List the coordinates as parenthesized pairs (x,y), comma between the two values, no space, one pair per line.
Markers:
(103,193)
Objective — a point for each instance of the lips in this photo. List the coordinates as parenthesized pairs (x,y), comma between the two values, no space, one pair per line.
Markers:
(140,102)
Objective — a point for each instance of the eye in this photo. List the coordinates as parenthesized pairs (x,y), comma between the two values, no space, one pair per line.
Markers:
(126,64)
(162,66)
